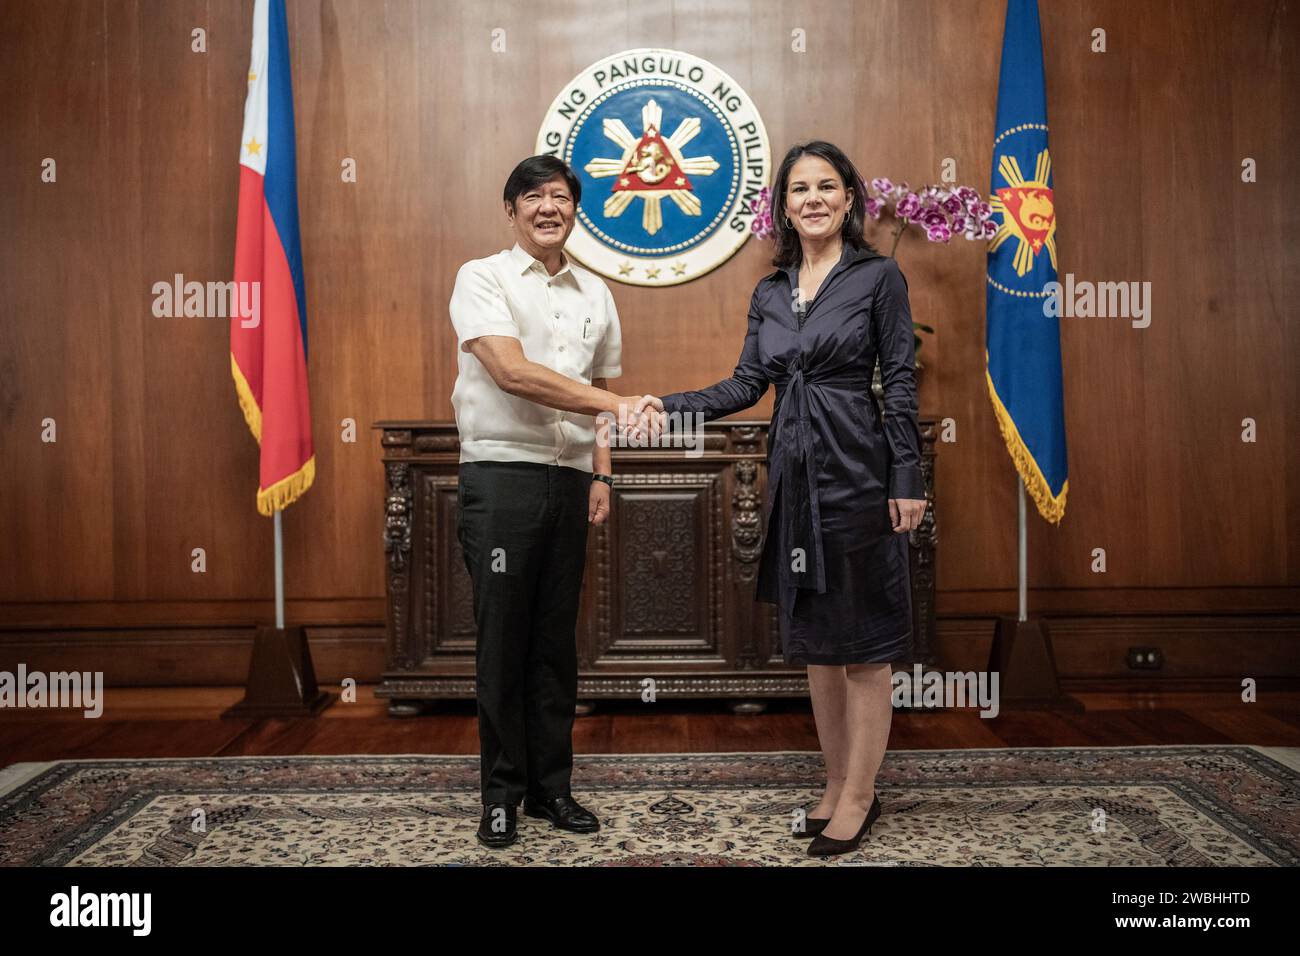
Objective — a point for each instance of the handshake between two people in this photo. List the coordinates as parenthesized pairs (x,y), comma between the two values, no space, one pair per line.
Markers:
(639,420)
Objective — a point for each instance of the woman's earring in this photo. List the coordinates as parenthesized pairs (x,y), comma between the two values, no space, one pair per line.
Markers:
(788,223)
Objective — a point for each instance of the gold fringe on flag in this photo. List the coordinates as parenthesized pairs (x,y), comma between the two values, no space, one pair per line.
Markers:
(252,414)
(289,489)
(1050,507)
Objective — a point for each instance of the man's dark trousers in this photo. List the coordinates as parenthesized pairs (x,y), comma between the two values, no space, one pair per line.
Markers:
(523,530)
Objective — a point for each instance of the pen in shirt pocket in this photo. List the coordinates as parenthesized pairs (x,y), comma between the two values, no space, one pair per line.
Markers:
(586,323)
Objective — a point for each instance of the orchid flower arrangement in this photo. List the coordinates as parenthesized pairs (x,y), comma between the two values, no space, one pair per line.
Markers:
(941,212)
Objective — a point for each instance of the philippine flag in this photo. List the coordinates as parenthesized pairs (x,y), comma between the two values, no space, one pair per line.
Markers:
(268,333)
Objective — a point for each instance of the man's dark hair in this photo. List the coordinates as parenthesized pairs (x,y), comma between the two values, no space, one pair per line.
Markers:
(536,170)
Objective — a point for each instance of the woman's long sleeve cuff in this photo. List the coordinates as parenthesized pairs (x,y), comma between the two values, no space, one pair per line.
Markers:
(672,403)
(906,481)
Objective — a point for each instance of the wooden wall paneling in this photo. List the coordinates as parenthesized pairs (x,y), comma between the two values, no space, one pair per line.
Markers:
(154,458)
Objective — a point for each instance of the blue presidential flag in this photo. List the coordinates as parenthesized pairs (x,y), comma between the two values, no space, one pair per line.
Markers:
(1023,344)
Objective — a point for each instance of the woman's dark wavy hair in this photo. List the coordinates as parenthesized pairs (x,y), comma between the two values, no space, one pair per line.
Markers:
(788,250)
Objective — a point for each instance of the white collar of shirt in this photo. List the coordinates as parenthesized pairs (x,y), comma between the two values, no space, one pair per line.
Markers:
(524,261)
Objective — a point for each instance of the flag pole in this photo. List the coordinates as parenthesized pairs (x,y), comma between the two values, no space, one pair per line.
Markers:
(279,562)
(1022,650)
(281,679)
(1023,546)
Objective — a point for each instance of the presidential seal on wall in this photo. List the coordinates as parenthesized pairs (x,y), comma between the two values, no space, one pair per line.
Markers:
(671,153)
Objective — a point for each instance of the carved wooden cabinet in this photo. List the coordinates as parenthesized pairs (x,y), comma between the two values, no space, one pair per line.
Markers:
(669,583)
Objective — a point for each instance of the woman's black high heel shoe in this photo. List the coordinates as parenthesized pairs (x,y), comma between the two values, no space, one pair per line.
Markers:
(829,846)
(811,827)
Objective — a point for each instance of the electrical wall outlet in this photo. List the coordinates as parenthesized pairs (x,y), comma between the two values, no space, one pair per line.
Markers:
(1145,658)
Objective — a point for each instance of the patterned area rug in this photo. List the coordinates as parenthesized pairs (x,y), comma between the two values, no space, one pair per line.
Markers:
(1122,806)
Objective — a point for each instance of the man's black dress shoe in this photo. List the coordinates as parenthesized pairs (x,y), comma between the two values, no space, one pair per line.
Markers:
(563,812)
(823,845)
(497,827)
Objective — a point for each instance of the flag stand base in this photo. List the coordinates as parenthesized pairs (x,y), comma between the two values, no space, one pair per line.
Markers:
(281,680)
(1026,667)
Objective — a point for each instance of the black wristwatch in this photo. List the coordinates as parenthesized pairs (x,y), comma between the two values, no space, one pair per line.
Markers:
(607,479)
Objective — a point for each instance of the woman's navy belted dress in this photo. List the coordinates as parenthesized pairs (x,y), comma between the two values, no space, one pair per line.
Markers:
(831,561)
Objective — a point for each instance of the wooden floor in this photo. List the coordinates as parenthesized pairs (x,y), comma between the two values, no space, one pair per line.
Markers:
(185,722)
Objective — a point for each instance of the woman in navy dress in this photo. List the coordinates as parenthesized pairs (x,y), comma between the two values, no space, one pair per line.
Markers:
(844,487)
